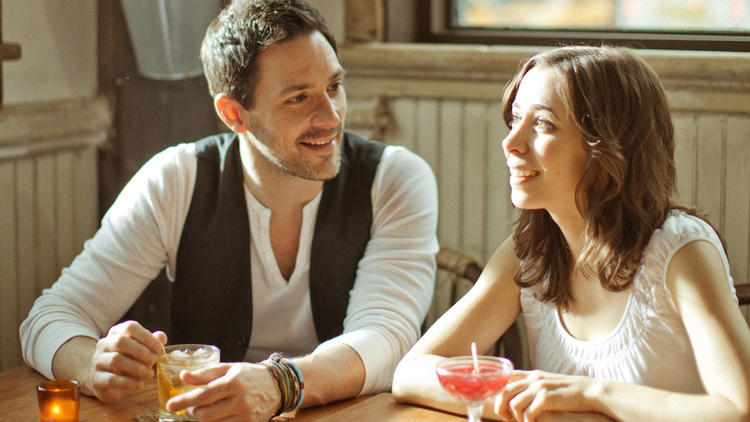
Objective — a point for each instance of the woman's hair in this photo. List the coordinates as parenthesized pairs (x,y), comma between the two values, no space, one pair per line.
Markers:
(242,31)
(625,192)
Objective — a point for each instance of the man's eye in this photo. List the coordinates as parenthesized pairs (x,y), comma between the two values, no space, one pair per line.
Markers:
(336,86)
(298,98)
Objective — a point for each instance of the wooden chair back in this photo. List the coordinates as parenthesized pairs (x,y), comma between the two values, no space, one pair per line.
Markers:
(456,274)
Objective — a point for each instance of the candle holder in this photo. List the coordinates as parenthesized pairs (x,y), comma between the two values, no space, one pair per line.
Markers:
(58,400)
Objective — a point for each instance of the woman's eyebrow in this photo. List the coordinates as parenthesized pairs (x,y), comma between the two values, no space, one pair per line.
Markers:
(539,107)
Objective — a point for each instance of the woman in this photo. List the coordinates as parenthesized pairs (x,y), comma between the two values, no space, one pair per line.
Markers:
(627,298)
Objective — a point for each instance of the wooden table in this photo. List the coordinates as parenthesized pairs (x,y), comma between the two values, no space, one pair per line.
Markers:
(18,403)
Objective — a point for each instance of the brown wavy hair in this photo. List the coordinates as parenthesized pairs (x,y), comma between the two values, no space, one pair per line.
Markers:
(626,190)
(242,31)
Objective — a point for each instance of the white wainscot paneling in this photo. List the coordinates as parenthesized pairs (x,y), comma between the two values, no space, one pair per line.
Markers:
(49,201)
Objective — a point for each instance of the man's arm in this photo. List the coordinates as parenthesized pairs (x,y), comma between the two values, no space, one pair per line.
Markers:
(110,367)
(332,372)
(396,277)
(139,233)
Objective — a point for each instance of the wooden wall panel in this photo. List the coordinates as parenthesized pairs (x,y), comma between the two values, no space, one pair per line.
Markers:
(737,199)
(25,229)
(404,124)
(9,344)
(427,131)
(472,197)
(448,173)
(66,249)
(461,140)
(45,222)
(500,214)
(684,153)
(48,193)
(85,191)
(48,208)
(709,173)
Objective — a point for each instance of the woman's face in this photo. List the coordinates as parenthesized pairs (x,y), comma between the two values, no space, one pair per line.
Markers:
(545,151)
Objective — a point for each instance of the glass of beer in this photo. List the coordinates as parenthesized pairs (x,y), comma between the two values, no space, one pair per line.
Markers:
(176,358)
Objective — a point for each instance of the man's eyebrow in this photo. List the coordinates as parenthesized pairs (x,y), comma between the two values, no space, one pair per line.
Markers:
(293,88)
(302,87)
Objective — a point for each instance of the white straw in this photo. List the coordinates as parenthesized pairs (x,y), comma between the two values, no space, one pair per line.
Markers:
(474,356)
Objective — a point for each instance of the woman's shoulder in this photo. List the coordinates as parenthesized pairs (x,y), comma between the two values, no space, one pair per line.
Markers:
(677,230)
(680,228)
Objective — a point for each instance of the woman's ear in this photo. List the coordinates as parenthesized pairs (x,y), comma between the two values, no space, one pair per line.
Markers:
(229,111)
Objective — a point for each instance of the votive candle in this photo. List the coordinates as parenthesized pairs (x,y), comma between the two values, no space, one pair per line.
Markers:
(58,400)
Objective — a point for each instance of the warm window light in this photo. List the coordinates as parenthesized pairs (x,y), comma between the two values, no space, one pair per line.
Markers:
(679,15)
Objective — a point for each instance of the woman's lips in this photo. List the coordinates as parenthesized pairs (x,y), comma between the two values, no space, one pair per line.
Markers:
(521,175)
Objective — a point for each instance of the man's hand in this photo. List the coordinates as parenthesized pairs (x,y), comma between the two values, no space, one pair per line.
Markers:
(122,360)
(233,391)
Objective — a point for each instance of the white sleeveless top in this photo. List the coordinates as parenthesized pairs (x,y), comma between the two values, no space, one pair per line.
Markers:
(649,346)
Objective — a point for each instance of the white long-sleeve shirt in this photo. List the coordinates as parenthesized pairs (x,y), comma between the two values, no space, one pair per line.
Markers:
(140,234)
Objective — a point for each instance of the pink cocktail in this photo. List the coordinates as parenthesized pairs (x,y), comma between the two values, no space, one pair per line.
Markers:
(459,377)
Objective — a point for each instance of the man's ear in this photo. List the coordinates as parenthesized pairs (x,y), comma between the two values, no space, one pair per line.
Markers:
(229,111)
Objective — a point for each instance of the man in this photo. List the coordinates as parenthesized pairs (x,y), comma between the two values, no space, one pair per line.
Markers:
(287,235)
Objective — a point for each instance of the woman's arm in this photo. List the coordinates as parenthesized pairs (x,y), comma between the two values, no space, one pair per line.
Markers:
(719,336)
(481,316)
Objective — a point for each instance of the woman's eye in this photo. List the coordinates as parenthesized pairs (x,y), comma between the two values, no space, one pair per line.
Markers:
(545,125)
(514,120)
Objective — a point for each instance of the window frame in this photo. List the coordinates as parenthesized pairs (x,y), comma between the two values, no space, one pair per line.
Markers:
(7,52)
(434,26)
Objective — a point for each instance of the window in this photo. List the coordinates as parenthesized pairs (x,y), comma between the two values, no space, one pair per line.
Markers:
(662,24)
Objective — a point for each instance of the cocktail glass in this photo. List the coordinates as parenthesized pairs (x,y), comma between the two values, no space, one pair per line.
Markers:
(459,377)
(176,358)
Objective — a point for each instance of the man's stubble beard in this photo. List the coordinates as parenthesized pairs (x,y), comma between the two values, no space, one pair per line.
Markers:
(292,164)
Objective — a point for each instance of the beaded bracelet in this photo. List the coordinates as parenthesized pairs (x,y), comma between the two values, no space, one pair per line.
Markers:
(300,382)
(276,374)
(289,380)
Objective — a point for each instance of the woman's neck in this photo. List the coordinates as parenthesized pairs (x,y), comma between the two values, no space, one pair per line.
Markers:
(572,227)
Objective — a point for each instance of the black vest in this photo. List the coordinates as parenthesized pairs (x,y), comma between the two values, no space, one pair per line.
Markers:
(212,292)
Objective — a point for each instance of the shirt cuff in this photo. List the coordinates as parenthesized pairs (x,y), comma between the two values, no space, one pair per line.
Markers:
(377,357)
(53,340)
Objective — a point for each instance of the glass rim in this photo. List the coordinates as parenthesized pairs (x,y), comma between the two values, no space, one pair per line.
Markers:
(58,385)
(189,346)
(503,361)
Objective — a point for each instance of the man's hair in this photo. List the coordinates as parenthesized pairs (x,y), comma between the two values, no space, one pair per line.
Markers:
(625,192)
(242,31)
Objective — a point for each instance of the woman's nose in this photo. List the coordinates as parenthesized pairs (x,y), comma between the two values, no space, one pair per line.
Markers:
(515,141)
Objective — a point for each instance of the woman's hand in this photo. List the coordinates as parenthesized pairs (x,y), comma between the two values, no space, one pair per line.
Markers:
(529,394)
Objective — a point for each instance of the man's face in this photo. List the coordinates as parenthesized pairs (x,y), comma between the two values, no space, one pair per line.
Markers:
(299,104)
